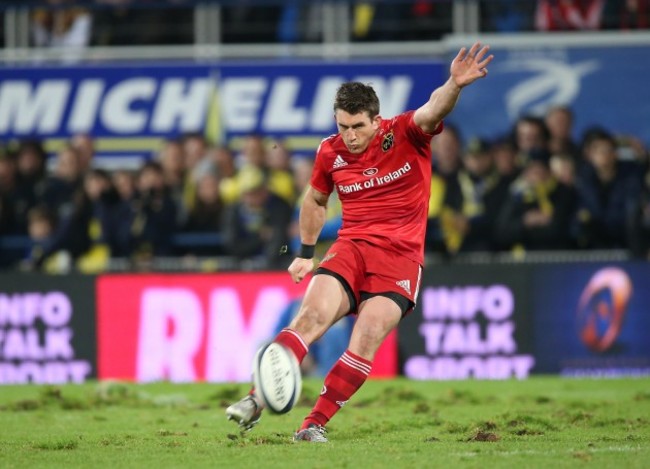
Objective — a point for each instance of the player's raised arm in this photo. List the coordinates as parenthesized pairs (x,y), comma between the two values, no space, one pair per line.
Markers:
(313,213)
(467,67)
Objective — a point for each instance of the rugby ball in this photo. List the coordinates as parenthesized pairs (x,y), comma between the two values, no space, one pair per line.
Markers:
(277,378)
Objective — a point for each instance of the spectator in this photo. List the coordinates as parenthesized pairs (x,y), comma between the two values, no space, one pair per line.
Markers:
(30,180)
(506,163)
(608,190)
(153,215)
(278,178)
(257,225)
(7,195)
(65,198)
(559,122)
(124,183)
(104,221)
(278,157)
(472,202)
(207,213)
(538,212)
(530,135)
(61,26)
(447,152)
(563,167)
(446,158)
(434,239)
(569,15)
(195,149)
(197,161)
(631,148)
(224,161)
(172,161)
(85,147)
(41,224)
(65,182)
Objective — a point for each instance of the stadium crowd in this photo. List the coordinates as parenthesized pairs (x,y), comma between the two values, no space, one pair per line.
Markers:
(535,189)
(80,23)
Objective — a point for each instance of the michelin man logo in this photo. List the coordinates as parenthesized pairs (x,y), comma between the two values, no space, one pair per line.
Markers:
(554,82)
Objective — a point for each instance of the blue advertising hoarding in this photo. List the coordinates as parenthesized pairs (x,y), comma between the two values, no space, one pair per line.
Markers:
(605,86)
(129,109)
(592,319)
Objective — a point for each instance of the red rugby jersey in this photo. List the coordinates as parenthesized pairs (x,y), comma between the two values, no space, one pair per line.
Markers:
(384,191)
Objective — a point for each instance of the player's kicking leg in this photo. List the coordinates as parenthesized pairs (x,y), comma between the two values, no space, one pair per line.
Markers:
(325,302)
(247,412)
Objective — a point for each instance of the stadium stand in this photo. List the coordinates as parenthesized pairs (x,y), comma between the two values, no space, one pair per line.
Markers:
(68,203)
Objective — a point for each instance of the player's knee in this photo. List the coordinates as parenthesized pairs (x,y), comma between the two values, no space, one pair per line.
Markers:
(310,323)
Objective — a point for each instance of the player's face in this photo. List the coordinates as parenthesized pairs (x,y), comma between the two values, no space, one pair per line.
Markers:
(357,130)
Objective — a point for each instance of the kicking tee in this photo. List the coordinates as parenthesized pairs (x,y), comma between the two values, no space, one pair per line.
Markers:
(384,191)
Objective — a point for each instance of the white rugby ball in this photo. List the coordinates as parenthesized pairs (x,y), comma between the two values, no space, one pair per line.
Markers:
(277,377)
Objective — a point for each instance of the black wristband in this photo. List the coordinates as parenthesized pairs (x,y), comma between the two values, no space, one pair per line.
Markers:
(306,251)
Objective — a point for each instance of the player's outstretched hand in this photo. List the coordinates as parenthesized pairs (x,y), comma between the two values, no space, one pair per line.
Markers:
(469,66)
(300,267)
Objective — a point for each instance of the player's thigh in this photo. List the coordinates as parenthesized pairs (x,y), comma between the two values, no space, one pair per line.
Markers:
(391,272)
(378,316)
(324,303)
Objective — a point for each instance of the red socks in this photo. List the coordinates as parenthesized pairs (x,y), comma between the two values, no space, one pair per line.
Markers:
(344,379)
(292,340)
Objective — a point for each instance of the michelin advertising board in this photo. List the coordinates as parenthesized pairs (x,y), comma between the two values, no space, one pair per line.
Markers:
(130,109)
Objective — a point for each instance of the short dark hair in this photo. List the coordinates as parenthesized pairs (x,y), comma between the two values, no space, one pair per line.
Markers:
(354,97)
(561,108)
(41,213)
(537,122)
(595,133)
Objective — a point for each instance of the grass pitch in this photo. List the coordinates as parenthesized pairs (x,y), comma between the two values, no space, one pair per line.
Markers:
(541,422)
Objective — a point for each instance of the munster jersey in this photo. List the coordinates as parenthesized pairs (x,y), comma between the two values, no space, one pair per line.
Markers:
(384,191)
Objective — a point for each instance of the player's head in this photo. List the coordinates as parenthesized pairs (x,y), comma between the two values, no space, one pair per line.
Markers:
(356,111)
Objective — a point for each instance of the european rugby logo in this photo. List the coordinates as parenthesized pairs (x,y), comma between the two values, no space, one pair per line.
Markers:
(370,172)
